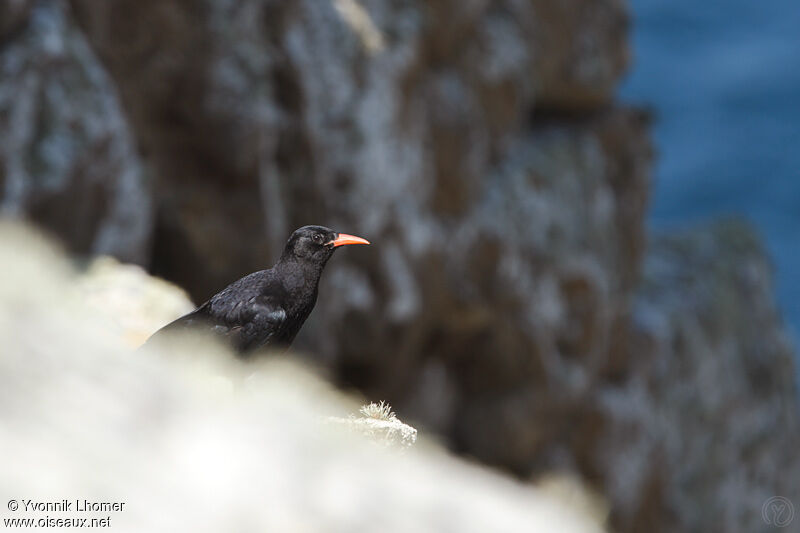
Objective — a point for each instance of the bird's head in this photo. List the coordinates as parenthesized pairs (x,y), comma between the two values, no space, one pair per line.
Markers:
(317,243)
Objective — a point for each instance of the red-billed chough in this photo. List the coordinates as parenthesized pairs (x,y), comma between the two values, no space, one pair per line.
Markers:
(268,308)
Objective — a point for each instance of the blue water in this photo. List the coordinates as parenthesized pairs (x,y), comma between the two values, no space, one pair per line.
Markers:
(724,80)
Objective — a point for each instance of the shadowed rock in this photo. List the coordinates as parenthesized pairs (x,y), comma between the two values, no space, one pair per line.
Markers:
(67,156)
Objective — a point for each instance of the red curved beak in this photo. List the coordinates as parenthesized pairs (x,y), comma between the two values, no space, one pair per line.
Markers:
(344,238)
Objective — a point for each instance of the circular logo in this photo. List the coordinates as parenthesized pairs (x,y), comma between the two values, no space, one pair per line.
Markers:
(778,511)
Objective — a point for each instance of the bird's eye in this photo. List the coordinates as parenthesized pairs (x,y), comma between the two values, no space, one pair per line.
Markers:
(317,238)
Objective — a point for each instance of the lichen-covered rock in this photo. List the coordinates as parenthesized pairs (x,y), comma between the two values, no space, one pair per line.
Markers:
(705,425)
(259,117)
(380,425)
(585,51)
(67,159)
(205,85)
(130,302)
(514,299)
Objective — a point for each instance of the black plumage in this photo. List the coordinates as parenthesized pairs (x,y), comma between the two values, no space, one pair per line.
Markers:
(268,308)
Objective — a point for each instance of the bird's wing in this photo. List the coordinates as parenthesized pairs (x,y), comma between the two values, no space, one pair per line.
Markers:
(248,322)
(193,320)
(197,320)
(247,313)
(245,324)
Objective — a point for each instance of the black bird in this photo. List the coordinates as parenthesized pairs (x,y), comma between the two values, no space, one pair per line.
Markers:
(268,307)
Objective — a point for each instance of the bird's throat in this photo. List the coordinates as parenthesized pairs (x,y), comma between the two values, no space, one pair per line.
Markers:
(300,278)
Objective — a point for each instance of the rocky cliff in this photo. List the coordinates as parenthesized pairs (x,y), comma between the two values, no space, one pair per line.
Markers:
(68,158)
(509,304)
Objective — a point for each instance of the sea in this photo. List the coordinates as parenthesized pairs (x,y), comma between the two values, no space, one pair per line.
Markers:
(723,79)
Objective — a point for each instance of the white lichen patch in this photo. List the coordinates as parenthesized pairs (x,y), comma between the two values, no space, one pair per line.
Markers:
(380,425)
